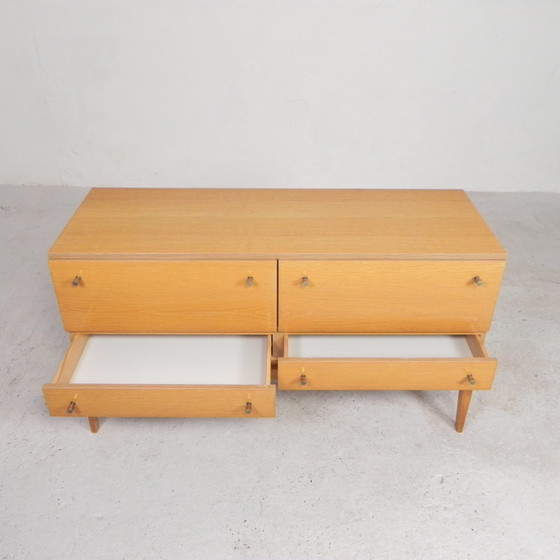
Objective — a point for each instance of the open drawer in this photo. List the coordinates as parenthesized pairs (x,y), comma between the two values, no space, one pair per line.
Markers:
(164,376)
(385,362)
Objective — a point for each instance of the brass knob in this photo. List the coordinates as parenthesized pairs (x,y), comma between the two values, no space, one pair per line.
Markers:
(471,379)
(248,407)
(71,407)
(304,281)
(303,379)
(249,281)
(478,281)
(76,281)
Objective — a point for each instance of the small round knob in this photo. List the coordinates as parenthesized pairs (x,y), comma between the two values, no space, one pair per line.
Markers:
(248,407)
(478,281)
(304,281)
(303,379)
(76,281)
(70,408)
(249,281)
(471,380)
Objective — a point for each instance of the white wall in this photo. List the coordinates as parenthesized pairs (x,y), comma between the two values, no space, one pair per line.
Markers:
(333,93)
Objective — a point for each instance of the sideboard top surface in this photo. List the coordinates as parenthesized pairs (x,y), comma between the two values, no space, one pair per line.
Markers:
(114,223)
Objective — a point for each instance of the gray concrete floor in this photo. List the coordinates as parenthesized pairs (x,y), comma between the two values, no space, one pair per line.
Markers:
(335,475)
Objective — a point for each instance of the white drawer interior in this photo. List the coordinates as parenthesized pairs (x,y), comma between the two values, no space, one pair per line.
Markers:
(173,359)
(385,346)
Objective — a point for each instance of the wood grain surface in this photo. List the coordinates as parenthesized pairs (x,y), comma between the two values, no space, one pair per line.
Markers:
(276,223)
(166,296)
(387,296)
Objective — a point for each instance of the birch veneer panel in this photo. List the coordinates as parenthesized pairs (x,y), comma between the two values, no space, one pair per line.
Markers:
(383,296)
(277,223)
(149,296)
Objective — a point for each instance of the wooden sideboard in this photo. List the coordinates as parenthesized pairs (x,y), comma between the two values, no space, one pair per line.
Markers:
(202,302)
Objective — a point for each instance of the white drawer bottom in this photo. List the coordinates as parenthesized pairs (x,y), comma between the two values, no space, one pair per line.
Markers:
(173,359)
(376,346)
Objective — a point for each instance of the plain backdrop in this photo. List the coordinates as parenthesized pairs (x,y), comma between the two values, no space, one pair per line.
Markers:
(281,93)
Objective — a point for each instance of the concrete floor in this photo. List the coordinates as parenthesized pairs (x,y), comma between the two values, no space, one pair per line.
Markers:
(334,476)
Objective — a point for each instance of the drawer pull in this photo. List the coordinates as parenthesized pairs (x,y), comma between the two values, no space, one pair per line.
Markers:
(76,281)
(249,281)
(248,407)
(478,281)
(471,379)
(303,379)
(72,405)
(304,281)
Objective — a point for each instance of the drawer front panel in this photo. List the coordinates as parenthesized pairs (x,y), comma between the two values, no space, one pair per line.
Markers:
(384,374)
(166,296)
(388,296)
(161,401)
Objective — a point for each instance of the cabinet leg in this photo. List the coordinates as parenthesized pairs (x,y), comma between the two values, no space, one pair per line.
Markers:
(462,409)
(93,424)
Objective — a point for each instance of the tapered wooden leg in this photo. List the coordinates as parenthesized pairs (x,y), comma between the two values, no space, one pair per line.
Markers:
(462,409)
(93,424)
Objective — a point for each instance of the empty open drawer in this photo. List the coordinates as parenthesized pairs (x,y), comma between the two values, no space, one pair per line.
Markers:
(164,376)
(408,362)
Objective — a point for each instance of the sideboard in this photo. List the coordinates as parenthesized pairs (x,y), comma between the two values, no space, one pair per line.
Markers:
(205,302)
